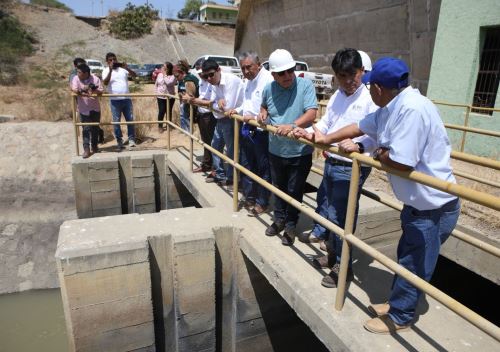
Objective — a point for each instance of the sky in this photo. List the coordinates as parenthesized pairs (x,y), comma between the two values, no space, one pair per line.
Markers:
(167,8)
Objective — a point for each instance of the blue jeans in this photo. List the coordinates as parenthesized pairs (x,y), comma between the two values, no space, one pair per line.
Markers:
(184,112)
(255,157)
(418,251)
(333,201)
(117,108)
(223,136)
(289,175)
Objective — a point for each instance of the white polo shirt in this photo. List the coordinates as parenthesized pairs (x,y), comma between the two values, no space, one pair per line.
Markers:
(118,83)
(230,88)
(411,128)
(252,97)
(343,110)
(206,92)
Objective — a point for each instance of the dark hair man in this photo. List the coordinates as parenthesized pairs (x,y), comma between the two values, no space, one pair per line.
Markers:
(350,104)
(428,216)
(228,94)
(85,84)
(287,102)
(254,142)
(116,79)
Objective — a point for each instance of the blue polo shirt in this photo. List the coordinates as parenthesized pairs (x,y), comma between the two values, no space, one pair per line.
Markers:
(284,106)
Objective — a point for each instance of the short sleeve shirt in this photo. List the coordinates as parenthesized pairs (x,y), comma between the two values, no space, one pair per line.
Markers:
(411,128)
(284,106)
(118,83)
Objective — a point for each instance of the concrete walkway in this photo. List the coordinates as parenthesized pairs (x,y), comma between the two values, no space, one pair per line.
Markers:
(290,272)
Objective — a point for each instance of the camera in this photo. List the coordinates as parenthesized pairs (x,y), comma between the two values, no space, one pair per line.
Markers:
(117,64)
(92,86)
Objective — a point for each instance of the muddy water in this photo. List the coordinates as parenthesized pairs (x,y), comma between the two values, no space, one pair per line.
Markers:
(32,321)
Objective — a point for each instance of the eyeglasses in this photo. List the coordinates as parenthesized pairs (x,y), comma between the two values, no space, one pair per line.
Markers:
(207,75)
(290,70)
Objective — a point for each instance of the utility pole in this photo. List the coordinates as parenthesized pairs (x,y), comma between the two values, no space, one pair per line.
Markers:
(102,8)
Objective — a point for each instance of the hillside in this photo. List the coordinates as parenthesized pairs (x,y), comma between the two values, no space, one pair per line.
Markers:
(61,36)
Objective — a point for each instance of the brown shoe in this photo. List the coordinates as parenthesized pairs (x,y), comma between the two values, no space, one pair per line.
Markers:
(384,325)
(95,149)
(379,309)
(247,204)
(257,210)
(86,152)
(326,261)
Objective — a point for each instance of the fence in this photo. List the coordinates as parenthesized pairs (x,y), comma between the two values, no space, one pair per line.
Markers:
(346,234)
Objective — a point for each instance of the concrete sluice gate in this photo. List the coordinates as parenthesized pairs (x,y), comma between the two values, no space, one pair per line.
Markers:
(208,279)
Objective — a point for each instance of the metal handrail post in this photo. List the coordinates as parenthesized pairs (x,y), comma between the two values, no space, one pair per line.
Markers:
(348,229)
(466,124)
(73,110)
(191,118)
(169,118)
(236,154)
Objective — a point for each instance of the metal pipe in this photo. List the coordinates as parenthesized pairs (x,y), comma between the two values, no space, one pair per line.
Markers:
(473,129)
(236,153)
(477,160)
(348,229)
(191,121)
(424,286)
(466,124)
(169,118)
(475,178)
(73,111)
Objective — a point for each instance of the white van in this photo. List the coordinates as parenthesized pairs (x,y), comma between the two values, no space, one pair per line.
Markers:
(95,66)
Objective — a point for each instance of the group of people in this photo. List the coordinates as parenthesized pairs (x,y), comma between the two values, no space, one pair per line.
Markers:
(374,112)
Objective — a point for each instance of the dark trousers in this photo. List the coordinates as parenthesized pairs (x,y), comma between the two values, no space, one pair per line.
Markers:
(162,108)
(206,124)
(289,175)
(90,134)
(254,156)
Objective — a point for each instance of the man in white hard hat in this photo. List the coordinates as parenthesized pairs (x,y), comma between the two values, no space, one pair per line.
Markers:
(287,102)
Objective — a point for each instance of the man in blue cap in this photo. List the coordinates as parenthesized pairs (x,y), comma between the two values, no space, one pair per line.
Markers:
(410,136)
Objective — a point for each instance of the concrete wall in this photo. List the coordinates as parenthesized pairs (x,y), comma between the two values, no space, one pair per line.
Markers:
(455,66)
(314,30)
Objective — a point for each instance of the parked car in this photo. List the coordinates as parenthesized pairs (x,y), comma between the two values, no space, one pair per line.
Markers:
(95,66)
(227,64)
(133,67)
(322,81)
(145,73)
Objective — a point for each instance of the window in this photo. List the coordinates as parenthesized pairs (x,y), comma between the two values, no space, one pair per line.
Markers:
(489,72)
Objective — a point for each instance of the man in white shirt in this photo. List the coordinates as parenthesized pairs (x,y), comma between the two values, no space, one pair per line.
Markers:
(116,79)
(410,136)
(228,94)
(350,104)
(254,141)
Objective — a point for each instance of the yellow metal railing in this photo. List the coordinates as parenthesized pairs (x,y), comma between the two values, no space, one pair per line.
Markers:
(346,234)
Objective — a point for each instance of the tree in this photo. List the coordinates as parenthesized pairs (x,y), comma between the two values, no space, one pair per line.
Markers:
(51,3)
(133,22)
(191,9)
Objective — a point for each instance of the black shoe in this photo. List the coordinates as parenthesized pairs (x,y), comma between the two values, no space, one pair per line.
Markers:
(332,278)
(289,236)
(275,228)
(326,261)
(100,136)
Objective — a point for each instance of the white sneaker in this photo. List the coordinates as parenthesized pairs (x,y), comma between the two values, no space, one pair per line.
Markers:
(131,143)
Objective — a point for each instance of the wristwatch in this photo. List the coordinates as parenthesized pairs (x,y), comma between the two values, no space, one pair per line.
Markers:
(377,152)
(361,147)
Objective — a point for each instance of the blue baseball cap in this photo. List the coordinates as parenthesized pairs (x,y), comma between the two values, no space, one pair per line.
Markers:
(388,72)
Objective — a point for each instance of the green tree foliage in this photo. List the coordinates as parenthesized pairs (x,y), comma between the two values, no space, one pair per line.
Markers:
(191,9)
(133,22)
(15,43)
(51,3)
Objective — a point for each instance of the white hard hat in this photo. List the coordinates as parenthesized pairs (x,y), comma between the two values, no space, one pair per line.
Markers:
(280,60)
(365,59)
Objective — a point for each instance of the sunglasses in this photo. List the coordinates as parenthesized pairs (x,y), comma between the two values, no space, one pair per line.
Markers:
(282,73)
(207,75)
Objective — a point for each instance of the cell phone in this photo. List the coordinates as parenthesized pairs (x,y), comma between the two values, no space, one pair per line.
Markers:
(117,64)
